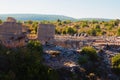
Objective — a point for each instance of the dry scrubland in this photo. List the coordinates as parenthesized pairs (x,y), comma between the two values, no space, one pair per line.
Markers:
(49,62)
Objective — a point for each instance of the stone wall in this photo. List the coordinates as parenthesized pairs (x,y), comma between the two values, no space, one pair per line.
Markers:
(46,33)
(10,19)
(11,32)
(10,29)
(73,44)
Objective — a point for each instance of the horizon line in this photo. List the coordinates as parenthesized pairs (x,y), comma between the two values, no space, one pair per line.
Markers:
(57,15)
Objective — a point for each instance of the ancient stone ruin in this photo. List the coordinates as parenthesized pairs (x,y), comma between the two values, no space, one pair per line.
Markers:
(10,19)
(46,33)
(11,32)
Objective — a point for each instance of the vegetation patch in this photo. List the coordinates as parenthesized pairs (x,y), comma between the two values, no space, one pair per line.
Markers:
(116,64)
(24,63)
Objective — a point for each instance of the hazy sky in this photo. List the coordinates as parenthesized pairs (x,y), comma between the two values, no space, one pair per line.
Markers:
(72,8)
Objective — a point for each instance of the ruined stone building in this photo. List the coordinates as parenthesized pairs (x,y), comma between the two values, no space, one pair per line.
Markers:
(46,33)
(14,34)
(10,19)
(10,31)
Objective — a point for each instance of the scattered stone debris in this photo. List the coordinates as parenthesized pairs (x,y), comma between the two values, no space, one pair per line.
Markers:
(70,64)
(58,57)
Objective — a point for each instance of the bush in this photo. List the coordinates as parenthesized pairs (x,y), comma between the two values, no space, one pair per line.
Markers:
(93,32)
(116,63)
(35,45)
(90,52)
(83,59)
(25,64)
(71,30)
(118,32)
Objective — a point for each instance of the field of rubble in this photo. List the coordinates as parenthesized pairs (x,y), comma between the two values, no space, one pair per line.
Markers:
(59,58)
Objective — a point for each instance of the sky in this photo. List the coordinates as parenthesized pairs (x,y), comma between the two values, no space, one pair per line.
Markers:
(72,8)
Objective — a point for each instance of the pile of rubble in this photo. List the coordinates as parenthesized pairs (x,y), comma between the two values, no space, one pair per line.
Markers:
(58,57)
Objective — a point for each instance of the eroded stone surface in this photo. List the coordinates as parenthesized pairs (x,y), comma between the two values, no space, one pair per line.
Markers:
(66,57)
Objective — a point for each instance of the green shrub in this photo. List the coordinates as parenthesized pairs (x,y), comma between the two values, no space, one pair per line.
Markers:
(83,59)
(93,32)
(116,63)
(35,45)
(25,64)
(90,52)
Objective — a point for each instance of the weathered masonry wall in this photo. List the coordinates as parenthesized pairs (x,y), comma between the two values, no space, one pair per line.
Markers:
(46,33)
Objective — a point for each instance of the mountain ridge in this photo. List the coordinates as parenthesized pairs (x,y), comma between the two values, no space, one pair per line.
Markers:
(47,17)
(36,17)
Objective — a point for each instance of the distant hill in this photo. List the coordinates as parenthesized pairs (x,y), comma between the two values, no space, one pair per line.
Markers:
(40,17)
(36,17)
(98,19)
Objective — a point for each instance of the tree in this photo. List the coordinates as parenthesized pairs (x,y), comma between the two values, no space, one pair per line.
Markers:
(71,30)
(97,27)
(67,22)
(64,30)
(93,32)
(84,24)
(58,30)
(58,20)
(117,21)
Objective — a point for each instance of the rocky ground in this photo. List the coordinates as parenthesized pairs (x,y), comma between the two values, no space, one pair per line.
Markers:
(66,61)
(58,57)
